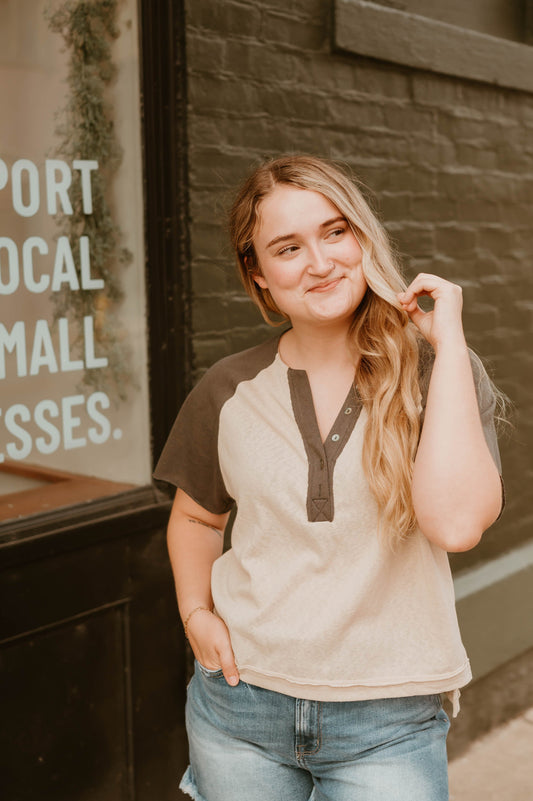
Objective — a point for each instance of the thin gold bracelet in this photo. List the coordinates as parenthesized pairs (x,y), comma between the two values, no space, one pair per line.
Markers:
(196,609)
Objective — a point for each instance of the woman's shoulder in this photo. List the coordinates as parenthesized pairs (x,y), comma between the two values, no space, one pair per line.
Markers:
(227,373)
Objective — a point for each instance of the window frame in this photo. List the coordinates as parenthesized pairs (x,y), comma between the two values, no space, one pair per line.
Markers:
(164,154)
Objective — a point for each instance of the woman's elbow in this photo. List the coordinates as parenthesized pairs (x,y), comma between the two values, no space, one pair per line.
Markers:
(459,527)
(458,532)
(464,540)
(454,537)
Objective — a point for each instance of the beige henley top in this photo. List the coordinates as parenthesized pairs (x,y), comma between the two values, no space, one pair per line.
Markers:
(316,607)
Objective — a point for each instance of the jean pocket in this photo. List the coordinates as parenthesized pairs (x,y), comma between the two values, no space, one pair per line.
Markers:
(208,672)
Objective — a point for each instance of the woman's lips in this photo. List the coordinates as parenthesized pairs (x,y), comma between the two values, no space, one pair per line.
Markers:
(325,287)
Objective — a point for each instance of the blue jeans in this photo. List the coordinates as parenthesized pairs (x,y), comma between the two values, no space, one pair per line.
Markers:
(251,744)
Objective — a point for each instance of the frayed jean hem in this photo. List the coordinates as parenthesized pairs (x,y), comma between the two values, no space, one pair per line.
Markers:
(188,785)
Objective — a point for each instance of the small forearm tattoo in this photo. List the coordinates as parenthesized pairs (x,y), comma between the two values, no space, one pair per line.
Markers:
(206,525)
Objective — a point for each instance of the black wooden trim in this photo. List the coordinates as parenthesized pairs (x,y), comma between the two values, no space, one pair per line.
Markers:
(377,31)
(77,527)
(528,21)
(166,204)
(125,620)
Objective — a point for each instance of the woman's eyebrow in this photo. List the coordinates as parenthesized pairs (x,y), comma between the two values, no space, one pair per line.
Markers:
(282,238)
(286,237)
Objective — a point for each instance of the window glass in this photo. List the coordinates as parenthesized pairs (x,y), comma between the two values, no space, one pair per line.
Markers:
(74,418)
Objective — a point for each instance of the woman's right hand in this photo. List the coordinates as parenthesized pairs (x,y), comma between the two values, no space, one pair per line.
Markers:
(211,644)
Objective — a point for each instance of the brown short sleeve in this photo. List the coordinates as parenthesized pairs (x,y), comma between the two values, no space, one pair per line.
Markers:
(487,406)
(189,459)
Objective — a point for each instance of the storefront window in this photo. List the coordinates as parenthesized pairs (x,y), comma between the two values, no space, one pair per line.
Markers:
(74,417)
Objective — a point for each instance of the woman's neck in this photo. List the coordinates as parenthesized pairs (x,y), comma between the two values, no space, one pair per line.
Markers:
(317,350)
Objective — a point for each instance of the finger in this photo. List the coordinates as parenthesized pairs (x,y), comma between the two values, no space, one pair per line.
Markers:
(428,281)
(417,316)
(434,286)
(416,291)
(408,301)
(229,668)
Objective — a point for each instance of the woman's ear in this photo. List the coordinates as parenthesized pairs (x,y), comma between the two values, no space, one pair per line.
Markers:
(255,272)
(259,280)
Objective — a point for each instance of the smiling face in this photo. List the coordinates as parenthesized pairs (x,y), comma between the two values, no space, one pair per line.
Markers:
(308,256)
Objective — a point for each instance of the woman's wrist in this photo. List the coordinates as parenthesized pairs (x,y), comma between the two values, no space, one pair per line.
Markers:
(191,613)
(455,346)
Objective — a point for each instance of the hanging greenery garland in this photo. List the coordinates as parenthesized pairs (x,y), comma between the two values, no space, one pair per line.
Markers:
(85,130)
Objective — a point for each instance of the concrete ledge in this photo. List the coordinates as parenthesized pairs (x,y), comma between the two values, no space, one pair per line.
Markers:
(488,703)
(495,609)
(369,29)
(497,765)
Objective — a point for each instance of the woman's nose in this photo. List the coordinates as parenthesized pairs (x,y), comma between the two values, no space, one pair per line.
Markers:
(320,264)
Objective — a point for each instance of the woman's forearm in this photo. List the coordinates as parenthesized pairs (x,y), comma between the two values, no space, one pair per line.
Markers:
(456,485)
(195,541)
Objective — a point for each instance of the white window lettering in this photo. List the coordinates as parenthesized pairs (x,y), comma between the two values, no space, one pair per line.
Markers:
(64,269)
(47,407)
(101,434)
(71,422)
(58,181)
(85,267)
(25,167)
(91,361)
(4,174)
(85,166)
(67,364)
(43,350)
(15,340)
(31,244)
(13,277)
(24,449)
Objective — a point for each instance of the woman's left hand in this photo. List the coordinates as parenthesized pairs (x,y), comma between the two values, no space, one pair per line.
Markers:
(443,323)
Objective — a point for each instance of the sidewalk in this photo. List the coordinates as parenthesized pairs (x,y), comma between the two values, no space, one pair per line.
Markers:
(498,767)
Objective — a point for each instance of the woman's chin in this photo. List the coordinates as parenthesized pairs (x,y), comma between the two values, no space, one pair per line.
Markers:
(334,311)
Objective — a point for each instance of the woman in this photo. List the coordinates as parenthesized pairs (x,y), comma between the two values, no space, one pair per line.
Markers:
(325,636)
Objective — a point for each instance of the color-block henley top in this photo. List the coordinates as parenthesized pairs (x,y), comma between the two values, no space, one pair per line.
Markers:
(316,607)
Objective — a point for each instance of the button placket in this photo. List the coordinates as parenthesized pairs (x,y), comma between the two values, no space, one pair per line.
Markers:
(321,456)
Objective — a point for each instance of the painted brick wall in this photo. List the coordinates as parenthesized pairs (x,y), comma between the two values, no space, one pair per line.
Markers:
(448,165)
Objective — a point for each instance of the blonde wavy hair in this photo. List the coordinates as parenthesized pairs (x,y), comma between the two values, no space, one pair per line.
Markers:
(381,335)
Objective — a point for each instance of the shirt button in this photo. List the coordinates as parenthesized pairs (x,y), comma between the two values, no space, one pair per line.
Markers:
(335,437)
(348,410)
